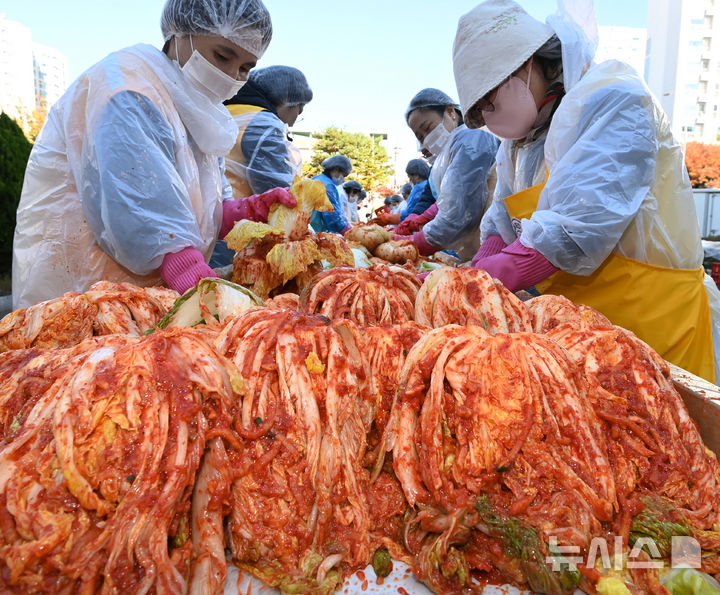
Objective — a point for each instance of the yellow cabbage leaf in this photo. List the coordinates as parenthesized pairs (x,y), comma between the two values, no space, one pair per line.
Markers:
(334,249)
(245,232)
(311,196)
(289,259)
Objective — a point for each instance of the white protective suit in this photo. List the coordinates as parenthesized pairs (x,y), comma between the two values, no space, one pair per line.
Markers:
(462,180)
(270,159)
(124,171)
(638,197)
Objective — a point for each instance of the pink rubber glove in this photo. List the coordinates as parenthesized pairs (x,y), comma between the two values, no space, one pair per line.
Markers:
(255,207)
(492,245)
(345,229)
(424,247)
(182,270)
(422,276)
(517,266)
(398,237)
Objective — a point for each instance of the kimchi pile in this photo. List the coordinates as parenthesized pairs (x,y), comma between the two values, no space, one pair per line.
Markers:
(449,425)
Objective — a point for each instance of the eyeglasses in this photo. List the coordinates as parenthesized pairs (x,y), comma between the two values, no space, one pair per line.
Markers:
(484,104)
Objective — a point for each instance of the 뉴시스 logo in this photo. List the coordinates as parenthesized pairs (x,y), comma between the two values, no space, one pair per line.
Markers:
(685,553)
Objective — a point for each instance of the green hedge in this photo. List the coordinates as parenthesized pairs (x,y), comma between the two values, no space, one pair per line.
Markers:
(14,153)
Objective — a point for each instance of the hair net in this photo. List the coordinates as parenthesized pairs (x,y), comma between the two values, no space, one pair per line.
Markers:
(418,167)
(406,188)
(352,185)
(244,22)
(429,98)
(338,161)
(283,85)
(363,194)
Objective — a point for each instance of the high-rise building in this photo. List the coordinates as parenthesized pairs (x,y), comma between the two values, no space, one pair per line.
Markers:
(31,75)
(17,79)
(51,74)
(683,65)
(623,43)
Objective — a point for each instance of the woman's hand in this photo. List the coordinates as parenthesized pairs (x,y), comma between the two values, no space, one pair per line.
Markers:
(254,208)
(182,270)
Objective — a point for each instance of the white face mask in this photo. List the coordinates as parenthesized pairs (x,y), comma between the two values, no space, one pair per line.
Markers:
(338,180)
(208,78)
(437,138)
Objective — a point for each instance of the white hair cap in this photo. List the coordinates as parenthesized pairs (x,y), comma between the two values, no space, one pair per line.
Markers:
(246,23)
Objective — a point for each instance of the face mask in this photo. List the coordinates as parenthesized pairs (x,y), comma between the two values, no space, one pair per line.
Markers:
(437,138)
(515,110)
(338,180)
(208,78)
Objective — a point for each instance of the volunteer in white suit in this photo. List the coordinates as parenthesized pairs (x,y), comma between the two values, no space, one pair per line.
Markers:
(124,182)
(593,200)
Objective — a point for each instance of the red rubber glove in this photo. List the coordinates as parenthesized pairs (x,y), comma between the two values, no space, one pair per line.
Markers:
(414,222)
(517,266)
(255,207)
(492,245)
(424,247)
(388,218)
(182,270)
(408,225)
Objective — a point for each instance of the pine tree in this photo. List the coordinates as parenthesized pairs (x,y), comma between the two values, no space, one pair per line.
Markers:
(14,153)
(371,162)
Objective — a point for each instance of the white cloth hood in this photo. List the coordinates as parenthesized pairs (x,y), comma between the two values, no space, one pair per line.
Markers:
(498,36)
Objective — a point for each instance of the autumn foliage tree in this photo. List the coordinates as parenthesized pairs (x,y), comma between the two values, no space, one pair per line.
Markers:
(371,162)
(703,165)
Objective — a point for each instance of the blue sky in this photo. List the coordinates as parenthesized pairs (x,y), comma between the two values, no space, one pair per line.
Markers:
(364,59)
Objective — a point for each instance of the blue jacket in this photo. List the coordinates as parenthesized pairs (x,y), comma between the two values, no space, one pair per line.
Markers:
(332,221)
(420,199)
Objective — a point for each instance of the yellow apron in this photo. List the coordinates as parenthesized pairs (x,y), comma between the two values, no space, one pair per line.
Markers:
(666,308)
(241,188)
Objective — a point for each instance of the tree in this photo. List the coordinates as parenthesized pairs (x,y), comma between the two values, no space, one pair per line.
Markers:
(14,154)
(703,165)
(384,191)
(36,121)
(371,162)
